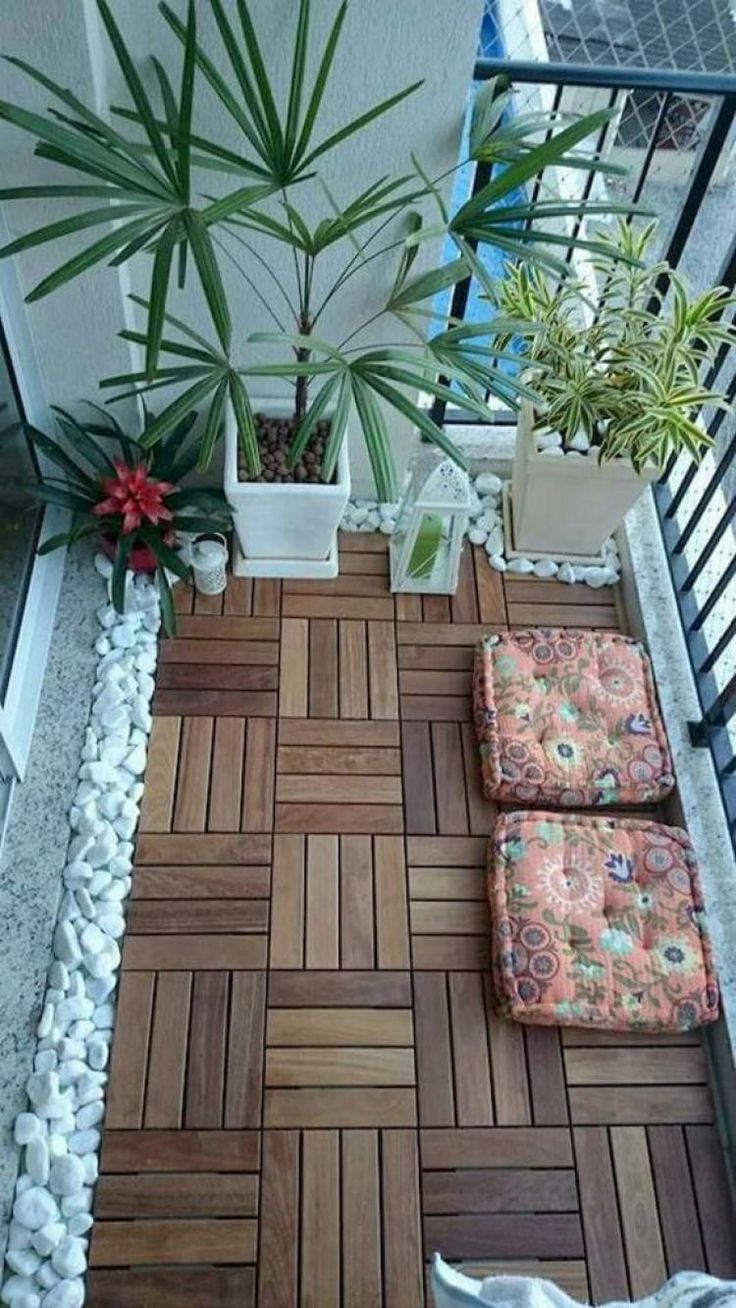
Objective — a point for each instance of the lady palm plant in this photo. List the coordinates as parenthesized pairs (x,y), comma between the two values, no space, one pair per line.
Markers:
(151,172)
(625,371)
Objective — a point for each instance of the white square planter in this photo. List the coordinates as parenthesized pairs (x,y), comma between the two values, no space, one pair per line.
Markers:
(284,529)
(568,506)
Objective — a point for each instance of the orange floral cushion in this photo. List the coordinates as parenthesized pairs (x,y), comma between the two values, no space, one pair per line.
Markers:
(569,717)
(598,922)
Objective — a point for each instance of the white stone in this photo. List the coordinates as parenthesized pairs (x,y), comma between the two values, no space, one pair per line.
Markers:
(598,577)
(488,484)
(117,891)
(67,1175)
(97,1053)
(57,1146)
(80,1223)
(113,924)
(77,1203)
(90,1115)
(66,945)
(70,1047)
(19,1237)
(69,1258)
(566,573)
(494,544)
(46,1060)
(104,847)
(554,452)
(103,565)
(35,1208)
(98,988)
(23,1183)
(498,562)
(106,961)
(28,1127)
(90,1164)
(125,826)
(23,1261)
(104,1017)
(92,939)
(520,567)
(77,874)
(46,1276)
(548,440)
(580,443)
(68,910)
(59,975)
(84,1142)
(67,1294)
(477,536)
(388,526)
(136,763)
(545,568)
(85,902)
(16,1289)
(71,1070)
(37,1160)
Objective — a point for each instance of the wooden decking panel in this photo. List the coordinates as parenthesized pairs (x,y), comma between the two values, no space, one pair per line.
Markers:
(310,1090)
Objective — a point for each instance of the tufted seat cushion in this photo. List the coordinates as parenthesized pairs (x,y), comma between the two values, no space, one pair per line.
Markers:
(569,717)
(598,922)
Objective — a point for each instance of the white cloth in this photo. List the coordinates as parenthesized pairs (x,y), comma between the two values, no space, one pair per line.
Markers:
(452,1289)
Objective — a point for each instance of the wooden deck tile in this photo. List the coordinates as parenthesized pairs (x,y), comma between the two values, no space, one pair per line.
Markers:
(310,1086)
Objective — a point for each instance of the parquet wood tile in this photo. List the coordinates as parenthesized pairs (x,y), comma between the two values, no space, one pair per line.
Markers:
(310,1087)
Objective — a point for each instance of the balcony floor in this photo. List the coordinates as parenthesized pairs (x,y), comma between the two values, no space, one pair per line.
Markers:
(309,1090)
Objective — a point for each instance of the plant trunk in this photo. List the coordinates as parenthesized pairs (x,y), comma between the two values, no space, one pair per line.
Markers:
(302,383)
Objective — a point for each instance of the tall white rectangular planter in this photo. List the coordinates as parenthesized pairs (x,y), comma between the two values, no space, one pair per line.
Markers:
(284,529)
(568,506)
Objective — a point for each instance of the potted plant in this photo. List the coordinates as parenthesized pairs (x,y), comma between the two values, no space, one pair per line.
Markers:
(290,480)
(129,496)
(618,386)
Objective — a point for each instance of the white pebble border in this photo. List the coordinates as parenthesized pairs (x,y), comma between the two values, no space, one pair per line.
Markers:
(61,1131)
(486,528)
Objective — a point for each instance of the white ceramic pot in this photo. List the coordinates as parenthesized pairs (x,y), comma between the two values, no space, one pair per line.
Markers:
(568,506)
(284,529)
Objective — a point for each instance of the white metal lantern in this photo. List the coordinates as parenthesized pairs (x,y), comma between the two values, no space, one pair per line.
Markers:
(433,515)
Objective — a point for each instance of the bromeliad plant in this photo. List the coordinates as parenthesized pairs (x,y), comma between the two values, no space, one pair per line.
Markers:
(128,495)
(151,169)
(625,371)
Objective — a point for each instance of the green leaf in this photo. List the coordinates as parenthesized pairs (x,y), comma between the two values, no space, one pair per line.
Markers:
(308,423)
(186,100)
(489,106)
(430,283)
(119,567)
(320,83)
(232,204)
(159,290)
(69,227)
(137,92)
(167,557)
(376,439)
(83,439)
(213,425)
(263,83)
(172,415)
(247,438)
(360,122)
(209,276)
(168,612)
(93,254)
(56,454)
(338,427)
(296,85)
(421,419)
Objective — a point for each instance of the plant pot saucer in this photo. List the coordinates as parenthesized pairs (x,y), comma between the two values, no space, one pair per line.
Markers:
(312,569)
(535,556)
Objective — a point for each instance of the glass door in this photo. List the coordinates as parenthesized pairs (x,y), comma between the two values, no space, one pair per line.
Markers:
(20,515)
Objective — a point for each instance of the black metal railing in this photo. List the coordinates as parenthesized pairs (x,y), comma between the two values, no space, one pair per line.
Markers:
(697,506)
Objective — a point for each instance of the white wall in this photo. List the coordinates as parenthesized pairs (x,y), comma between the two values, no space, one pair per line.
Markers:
(385,45)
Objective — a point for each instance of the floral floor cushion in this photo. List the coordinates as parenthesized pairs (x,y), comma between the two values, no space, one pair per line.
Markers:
(598,922)
(569,718)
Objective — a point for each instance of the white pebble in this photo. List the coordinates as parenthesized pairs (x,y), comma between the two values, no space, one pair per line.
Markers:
(23,1261)
(103,565)
(580,442)
(46,1021)
(92,939)
(90,1114)
(80,1223)
(104,1017)
(19,1237)
(554,452)
(69,1258)
(16,1290)
(59,975)
(77,1203)
(84,1142)
(67,1294)
(37,1160)
(545,568)
(494,544)
(477,536)
(67,1175)
(66,945)
(520,567)
(548,440)
(566,573)
(498,562)
(46,1239)
(35,1208)
(28,1127)
(488,484)
(57,1146)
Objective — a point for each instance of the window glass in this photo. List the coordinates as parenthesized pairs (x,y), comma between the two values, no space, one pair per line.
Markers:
(20,515)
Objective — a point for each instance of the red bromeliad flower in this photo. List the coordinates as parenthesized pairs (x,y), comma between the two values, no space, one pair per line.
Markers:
(134,495)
